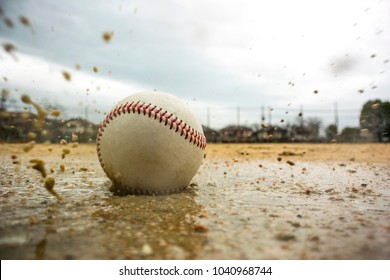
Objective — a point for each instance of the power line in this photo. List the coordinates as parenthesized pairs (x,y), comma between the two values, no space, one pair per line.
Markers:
(276,109)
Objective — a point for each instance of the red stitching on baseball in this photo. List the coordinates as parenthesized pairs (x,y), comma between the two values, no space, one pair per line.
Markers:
(162,116)
(146,108)
(155,113)
(151,110)
(139,108)
(189,133)
(173,122)
(124,108)
(129,107)
(134,106)
(167,119)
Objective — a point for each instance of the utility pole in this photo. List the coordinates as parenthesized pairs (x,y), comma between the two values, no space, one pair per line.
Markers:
(208,117)
(262,116)
(4,96)
(238,117)
(336,117)
(269,116)
(301,115)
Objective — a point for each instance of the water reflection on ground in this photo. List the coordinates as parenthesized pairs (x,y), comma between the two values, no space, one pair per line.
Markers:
(234,209)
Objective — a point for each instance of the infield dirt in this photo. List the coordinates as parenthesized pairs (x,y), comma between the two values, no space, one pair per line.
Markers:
(248,201)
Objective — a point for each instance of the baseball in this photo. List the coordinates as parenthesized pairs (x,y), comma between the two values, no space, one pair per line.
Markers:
(150,143)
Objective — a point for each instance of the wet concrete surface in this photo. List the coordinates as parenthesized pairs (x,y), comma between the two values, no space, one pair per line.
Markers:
(239,206)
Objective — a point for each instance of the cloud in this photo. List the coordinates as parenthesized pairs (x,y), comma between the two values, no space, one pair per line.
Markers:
(220,54)
(44,81)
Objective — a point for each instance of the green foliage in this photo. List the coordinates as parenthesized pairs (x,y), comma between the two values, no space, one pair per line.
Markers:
(375,117)
(331,131)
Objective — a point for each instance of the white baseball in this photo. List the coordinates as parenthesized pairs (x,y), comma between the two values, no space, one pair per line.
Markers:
(150,143)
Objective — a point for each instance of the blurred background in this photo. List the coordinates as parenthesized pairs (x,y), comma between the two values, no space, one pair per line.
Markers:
(252,71)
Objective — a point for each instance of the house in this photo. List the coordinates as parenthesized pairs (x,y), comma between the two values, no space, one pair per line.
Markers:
(19,127)
(85,130)
(212,136)
(237,133)
(303,133)
(15,126)
(272,134)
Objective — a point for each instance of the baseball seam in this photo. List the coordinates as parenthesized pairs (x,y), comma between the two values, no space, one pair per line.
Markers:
(150,111)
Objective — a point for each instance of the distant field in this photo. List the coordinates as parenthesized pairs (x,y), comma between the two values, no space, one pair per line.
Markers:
(303,151)
(248,201)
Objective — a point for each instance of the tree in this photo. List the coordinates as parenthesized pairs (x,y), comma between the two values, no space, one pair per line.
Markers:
(313,128)
(375,117)
(331,131)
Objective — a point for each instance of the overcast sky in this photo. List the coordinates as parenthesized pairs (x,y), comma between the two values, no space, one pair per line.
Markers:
(212,54)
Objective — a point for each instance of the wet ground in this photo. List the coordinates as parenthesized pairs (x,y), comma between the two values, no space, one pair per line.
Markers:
(269,201)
